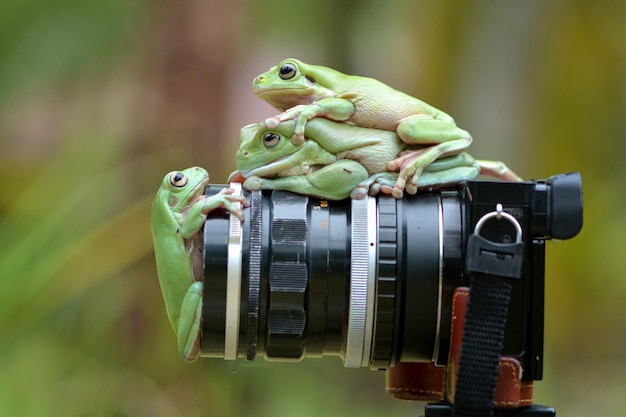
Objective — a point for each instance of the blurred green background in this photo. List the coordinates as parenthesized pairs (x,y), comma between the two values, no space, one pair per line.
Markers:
(99,99)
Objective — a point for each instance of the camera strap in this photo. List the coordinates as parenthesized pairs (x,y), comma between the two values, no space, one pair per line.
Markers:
(493,267)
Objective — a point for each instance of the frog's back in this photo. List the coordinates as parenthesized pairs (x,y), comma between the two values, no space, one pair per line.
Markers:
(380,106)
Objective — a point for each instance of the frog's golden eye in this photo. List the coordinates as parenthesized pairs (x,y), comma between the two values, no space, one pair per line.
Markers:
(270,140)
(178,179)
(287,71)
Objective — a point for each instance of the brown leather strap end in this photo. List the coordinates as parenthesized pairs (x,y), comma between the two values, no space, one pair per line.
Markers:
(427,382)
(511,391)
(416,381)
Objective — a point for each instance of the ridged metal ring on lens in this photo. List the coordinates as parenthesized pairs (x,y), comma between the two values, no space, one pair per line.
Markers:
(382,345)
(362,283)
(288,277)
(254,274)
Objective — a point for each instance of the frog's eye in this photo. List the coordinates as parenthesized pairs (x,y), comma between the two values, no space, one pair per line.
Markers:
(178,179)
(287,71)
(270,140)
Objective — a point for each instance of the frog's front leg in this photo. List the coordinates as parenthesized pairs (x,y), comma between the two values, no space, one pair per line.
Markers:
(333,108)
(189,323)
(197,213)
(332,182)
(423,130)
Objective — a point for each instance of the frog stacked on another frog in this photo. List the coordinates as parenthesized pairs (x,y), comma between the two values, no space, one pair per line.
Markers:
(387,141)
(335,161)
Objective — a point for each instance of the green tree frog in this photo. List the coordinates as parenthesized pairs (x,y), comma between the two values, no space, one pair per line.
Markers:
(338,160)
(303,91)
(177,216)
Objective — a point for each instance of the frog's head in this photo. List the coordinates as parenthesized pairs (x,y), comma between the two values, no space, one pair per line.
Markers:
(180,189)
(268,153)
(292,82)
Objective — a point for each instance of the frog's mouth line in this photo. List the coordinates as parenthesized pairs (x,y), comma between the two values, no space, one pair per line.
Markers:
(271,90)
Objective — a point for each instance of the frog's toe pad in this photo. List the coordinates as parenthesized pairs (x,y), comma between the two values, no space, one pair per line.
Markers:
(253,183)
(411,189)
(397,193)
(297,139)
(359,193)
(272,122)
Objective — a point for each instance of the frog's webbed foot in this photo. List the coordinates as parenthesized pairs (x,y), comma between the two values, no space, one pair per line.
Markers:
(414,174)
(382,182)
(301,114)
(410,165)
(232,203)
(197,213)
(441,137)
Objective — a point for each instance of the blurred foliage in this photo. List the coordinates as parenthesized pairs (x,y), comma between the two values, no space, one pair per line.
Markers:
(45,42)
(99,99)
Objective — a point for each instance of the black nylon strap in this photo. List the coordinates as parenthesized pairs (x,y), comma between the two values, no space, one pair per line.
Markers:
(483,339)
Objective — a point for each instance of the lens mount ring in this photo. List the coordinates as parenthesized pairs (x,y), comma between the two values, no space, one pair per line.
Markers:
(233,281)
(362,282)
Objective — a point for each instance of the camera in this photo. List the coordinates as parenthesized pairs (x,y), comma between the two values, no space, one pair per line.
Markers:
(372,280)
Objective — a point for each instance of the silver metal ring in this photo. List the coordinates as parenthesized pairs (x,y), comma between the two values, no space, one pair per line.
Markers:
(362,282)
(233,283)
(499,213)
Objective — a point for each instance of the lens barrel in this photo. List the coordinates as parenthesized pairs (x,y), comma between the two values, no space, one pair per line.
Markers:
(369,280)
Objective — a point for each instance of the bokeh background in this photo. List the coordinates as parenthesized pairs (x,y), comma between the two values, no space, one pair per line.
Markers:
(99,99)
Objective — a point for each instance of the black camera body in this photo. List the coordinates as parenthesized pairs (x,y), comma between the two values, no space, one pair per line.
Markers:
(372,280)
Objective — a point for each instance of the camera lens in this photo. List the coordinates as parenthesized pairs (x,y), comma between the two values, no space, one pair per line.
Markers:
(371,280)
(309,277)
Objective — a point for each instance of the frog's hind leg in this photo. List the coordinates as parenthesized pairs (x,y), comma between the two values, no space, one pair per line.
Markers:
(382,182)
(448,171)
(441,139)
(443,172)
(498,170)
(189,325)
(435,180)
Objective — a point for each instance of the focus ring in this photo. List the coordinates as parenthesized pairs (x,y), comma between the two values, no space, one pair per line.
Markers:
(288,277)
(382,347)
